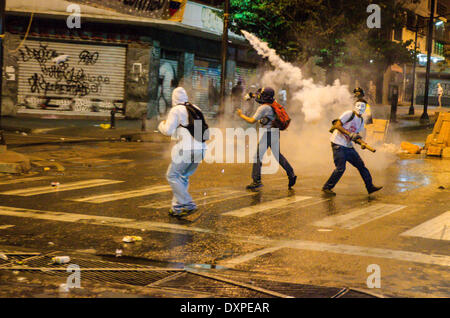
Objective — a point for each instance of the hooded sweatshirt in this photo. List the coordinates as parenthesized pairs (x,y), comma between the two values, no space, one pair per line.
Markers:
(177,117)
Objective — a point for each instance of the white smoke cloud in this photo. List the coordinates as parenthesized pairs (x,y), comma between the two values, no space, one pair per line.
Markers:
(314,98)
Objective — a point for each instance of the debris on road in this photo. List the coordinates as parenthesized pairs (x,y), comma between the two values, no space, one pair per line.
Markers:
(118,253)
(60,260)
(410,148)
(63,288)
(3,257)
(55,184)
(46,168)
(131,239)
(51,243)
(105,126)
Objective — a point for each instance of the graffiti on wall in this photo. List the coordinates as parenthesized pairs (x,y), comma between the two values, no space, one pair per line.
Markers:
(60,81)
(167,83)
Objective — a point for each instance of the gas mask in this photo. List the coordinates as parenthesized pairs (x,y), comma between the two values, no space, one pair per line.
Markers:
(360,108)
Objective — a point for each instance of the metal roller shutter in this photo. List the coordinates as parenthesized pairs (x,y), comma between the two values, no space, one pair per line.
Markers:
(90,80)
(206,86)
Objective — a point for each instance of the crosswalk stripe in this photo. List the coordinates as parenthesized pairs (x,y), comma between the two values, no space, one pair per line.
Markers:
(102,198)
(232,262)
(266,206)
(98,220)
(437,228)
(24,180)
(203,200)
(7,226)
(359,217)
(63,187)
(435,259)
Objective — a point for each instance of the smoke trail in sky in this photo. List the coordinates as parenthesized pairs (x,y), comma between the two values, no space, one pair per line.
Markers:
(314,98)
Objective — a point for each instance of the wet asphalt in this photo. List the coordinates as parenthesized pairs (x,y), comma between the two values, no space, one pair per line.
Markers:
(210,236)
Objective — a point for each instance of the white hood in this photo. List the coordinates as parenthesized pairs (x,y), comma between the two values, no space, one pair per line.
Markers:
(179,96)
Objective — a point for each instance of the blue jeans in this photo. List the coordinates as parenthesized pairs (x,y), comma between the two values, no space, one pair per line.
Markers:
(178,175)
(341,155)
(264,143)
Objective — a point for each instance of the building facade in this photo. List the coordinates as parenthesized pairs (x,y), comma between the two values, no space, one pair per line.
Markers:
(57,63)
(401,76)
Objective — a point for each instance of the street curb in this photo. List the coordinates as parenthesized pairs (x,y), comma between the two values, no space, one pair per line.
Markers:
(146,137)
(13,162)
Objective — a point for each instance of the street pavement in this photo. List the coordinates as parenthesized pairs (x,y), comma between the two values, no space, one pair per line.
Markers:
(110,189)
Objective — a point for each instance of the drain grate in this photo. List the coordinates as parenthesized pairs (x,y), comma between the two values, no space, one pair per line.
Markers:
(16,258)
(181,280)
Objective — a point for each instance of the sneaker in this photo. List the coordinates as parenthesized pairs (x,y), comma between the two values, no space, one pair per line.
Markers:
(328,192)
(292,181)
(374,189)
(254,185)
(181,213)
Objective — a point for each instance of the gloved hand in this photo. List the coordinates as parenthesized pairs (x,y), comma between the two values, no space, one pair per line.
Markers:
(354,136)
(249,96)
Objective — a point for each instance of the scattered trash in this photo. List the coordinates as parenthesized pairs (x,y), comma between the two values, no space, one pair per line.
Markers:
(123,139)
(155,131)
(16,272)
(55,184)
(24,134)
(51,243)
(62,138)
(118,253)
(46,169)
(142,230)
(410,148)
(324,230)
(21,279)
(52,160)
(63,288)
(204,194)
(105,126)
(60,260)
(3,257)
(131,239)
(441,188)
(223,170)
(139,140)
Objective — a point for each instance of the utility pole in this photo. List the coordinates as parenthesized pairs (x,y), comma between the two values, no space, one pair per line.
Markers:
(425,118)
(2,31)
(223,74)
(411,108)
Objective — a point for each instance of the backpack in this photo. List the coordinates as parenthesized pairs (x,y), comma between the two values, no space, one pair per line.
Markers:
(282,119)
(347,121)
(195,114)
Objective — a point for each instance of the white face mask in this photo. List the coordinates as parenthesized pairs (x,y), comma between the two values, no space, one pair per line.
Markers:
(360,108)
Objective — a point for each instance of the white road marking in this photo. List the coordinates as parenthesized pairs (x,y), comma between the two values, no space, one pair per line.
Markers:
(62,187)
(434,259)
(359,217)
(203,199)
(437,228)
(101,198)
(7,226)
(98,220)
(266,206)
(232,262)
(21,180)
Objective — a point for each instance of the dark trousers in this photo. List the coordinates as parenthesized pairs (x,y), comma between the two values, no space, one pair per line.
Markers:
(341,155)
(264,143)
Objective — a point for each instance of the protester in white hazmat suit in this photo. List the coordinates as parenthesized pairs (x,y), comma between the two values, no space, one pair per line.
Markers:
(186,154)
